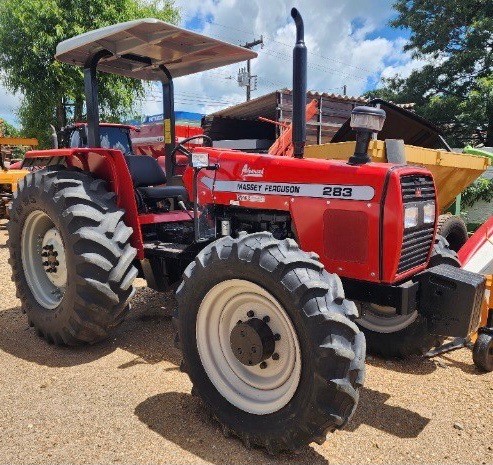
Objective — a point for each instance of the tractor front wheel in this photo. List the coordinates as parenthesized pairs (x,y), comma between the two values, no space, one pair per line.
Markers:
(268,341)
(391,335)
(70,255)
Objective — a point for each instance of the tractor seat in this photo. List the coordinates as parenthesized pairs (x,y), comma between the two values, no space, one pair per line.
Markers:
(148,179)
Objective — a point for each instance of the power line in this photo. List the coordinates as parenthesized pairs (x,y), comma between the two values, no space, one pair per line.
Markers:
(272,39)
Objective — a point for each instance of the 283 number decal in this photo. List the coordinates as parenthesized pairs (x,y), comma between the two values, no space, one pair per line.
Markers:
(344,192)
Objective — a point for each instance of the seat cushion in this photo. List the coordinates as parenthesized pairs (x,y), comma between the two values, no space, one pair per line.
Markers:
(145,170)
(164,192)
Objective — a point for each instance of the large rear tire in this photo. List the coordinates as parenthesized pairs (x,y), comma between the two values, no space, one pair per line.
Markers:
(390,335)
(70,255)
(308,383)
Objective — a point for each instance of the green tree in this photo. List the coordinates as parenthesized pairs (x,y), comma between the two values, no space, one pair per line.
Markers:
(53,92)
(455,88)
(8,130)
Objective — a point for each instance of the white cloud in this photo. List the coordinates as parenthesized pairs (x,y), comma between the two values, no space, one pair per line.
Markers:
(341,35)
(336,33)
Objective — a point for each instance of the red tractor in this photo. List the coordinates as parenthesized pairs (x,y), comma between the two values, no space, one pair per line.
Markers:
(259,249)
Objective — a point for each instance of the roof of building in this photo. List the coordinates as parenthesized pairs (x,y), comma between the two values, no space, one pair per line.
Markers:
(265,105)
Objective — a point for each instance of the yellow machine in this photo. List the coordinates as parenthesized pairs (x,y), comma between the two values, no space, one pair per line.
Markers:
(452,171)
(10,177)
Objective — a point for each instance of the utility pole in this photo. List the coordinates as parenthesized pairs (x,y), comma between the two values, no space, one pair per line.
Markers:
(245,77)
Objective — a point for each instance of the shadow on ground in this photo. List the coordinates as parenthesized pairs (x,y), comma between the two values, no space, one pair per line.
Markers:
(373,411)
(147,332)
(174,415)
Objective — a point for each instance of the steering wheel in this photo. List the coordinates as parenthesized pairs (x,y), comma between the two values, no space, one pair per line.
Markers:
(183,150)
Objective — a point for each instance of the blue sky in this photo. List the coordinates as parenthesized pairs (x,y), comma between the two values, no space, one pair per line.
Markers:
(349,41)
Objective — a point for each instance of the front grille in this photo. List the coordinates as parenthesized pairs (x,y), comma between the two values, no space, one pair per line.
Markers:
(417,189)
(416,243)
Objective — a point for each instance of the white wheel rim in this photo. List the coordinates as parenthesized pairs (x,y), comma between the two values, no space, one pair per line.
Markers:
(384,319)
(249,388)
(43,259)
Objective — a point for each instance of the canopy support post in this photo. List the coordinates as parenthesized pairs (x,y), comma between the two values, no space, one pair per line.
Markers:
(168,120)
(91,91)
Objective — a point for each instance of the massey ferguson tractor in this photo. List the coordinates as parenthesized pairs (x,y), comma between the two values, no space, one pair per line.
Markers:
(263,251)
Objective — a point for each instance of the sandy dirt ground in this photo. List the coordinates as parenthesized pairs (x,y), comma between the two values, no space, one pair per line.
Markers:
(126,401)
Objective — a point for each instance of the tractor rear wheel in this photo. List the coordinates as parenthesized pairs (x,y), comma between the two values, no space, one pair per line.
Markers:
(268,341)
(70,255)
(453,229)
(390,335)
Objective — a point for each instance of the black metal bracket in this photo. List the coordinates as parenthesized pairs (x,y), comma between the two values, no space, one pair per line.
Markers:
(403,297)
(91,91)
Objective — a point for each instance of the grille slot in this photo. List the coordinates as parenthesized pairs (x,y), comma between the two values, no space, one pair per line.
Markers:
(416,243)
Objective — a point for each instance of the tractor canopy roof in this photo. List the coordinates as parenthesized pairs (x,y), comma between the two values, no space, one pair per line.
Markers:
(139,47)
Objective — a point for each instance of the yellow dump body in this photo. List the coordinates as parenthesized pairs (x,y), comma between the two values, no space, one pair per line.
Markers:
(12,177)
(453,172)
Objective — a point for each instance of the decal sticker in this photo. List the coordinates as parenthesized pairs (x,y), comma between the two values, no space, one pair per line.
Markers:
(167,131)
(248,172)
(324,191)
(148,140)
(251,198)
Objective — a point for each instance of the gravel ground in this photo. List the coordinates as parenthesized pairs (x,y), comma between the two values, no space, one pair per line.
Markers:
(125,401)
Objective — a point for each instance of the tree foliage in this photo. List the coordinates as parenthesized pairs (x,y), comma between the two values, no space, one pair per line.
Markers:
(455,87)
(53,92)
(7,130)
(481,189)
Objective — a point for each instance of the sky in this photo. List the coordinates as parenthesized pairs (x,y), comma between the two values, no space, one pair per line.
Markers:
(349,43)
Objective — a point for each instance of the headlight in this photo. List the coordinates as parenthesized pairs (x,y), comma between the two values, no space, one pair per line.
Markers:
(429,213)
(410,217)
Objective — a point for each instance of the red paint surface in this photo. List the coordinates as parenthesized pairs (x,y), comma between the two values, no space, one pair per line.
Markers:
(476,241)
(307,213)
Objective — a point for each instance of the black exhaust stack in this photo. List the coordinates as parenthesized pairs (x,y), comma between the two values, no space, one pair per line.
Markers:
(299,87)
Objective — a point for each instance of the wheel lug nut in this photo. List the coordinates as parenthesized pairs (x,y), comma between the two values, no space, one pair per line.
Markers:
(277,337)
(56,263)
(239,322)
(263,365)
(44,254)
(275,356)
(254,350)
(250,314)
(46,263)
(266,319)
(55,254)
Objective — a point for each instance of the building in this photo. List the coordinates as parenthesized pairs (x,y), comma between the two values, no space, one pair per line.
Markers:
(242,121)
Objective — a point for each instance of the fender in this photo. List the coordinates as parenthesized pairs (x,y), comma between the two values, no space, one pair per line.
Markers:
(477,253)
(106,164)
